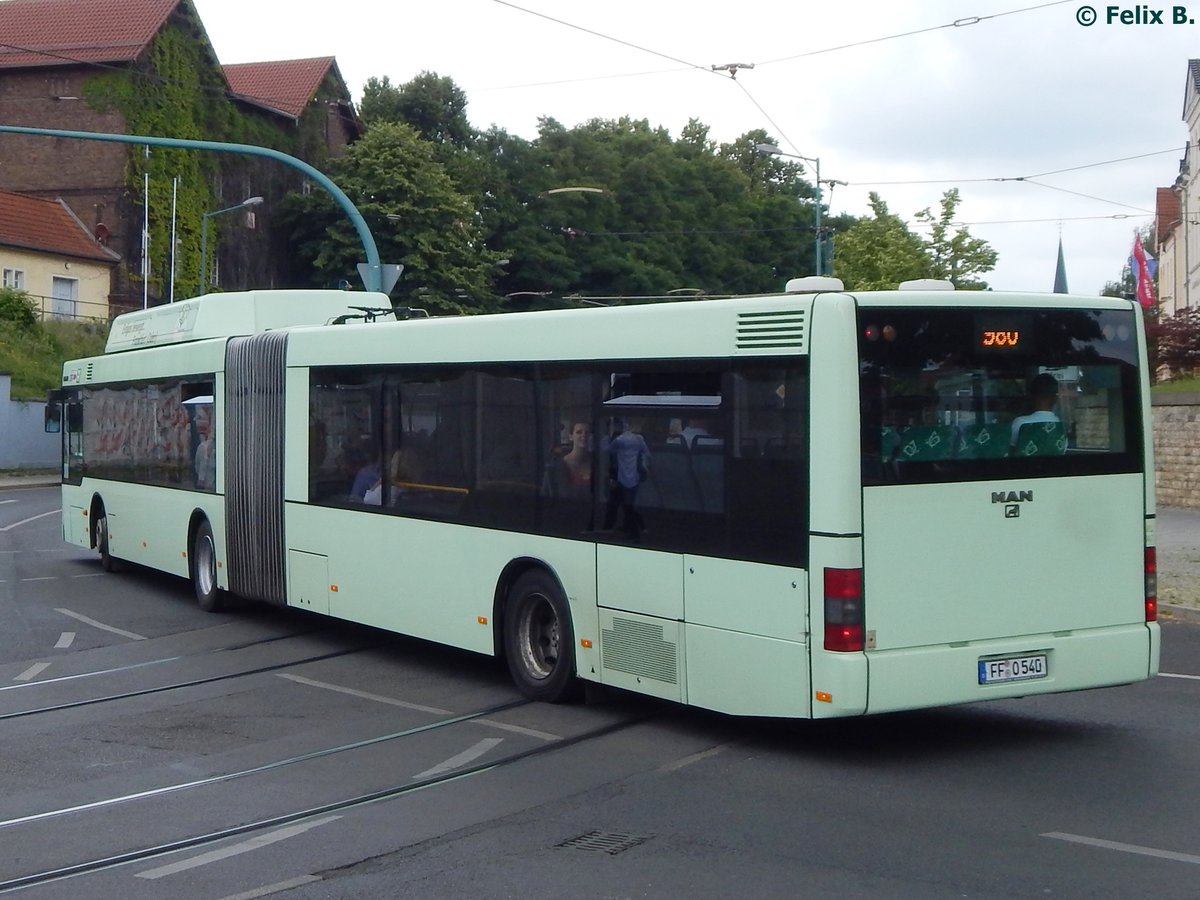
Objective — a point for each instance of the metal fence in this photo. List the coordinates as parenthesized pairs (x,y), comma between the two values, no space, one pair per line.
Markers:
(58,309)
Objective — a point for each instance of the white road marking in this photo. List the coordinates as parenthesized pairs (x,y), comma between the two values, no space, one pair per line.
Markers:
(270,889)
(39,578)
(53,512)
(1172,675)
(300,679)
(461,759)
(32,672)
(1124,848)
(2,502)
(254,843)
(101,625)
(694,758)
(433,710)
(65,640)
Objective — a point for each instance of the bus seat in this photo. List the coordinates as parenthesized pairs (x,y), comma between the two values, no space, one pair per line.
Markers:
(1041,439)
(921,443)
(889,441)
(983,441)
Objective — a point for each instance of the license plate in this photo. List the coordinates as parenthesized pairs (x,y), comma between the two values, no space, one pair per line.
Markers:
(1012,668)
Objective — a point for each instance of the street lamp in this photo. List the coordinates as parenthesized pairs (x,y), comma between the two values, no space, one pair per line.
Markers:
(204,217)
(773,150)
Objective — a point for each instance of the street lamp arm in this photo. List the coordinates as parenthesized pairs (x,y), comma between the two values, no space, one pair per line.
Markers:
(373,273)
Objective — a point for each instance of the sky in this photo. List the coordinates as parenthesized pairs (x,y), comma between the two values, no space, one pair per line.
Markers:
(1048,127)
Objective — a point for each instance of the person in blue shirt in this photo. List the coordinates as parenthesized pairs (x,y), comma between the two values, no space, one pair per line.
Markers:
(629,463)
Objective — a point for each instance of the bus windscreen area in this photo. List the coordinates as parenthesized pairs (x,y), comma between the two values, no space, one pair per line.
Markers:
(981,394)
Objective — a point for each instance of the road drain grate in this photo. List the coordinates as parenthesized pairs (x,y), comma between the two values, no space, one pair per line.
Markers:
(610,842)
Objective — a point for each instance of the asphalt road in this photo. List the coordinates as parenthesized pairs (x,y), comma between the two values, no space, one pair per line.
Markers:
(169,752)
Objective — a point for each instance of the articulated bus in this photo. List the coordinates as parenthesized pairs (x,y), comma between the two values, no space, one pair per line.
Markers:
(816,503)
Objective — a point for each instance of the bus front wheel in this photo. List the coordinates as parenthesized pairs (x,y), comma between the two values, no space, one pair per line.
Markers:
(204,570)
(538,641)
(108,562)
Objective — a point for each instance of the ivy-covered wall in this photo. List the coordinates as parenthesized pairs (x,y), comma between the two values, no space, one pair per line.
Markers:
(177,89)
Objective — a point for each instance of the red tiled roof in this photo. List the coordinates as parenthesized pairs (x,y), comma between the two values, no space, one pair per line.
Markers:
(1166,212)
(46,226)
(286,86)
(58,32)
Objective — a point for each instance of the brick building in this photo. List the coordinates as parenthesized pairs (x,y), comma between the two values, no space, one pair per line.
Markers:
(99,66)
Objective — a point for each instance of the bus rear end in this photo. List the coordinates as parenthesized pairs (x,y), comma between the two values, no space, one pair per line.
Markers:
(1007,503)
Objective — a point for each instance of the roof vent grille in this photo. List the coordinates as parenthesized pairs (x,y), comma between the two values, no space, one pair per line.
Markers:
(770,332)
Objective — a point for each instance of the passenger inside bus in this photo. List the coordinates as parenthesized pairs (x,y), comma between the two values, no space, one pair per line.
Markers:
(629,464)
(1043,394)
(571,471)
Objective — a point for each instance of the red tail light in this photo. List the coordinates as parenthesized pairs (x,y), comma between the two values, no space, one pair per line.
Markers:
(1151,584)
(844,610)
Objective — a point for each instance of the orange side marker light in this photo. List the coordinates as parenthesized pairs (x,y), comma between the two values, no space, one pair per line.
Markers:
(824,697)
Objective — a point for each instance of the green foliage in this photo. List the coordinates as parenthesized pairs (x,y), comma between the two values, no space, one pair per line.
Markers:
(953,254)
(879,252)
(433,105)
(18,311)
(416,213)
(1175,342)
(176,92)
(34,355)
(672,214)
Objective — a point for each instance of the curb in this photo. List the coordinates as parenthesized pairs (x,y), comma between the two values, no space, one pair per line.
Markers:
(1170,613)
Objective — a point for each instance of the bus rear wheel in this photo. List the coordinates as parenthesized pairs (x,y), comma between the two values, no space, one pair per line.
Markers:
(203,558)
(538,639)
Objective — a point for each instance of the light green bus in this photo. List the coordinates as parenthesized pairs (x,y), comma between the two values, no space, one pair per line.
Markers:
(817,503)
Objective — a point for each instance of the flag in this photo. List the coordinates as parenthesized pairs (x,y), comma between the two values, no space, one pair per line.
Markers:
(1144,267)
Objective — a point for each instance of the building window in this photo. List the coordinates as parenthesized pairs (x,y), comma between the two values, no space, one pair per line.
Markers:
(15,279)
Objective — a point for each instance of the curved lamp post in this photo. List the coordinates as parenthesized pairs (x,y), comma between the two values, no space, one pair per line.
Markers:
(204,217)
(773,150)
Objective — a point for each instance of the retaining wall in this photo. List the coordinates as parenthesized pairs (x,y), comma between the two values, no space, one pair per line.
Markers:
(24,443)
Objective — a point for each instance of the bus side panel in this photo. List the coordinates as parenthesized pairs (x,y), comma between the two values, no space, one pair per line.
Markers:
(432,580)
(745,674)
(148,525)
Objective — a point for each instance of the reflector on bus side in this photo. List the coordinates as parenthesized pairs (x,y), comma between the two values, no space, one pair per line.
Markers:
(844,610)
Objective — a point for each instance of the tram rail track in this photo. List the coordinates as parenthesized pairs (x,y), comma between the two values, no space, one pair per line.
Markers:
(266,823)
(161,688)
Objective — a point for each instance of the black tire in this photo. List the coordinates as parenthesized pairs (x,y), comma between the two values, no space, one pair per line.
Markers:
(539,643)
(108,562)
(203,564)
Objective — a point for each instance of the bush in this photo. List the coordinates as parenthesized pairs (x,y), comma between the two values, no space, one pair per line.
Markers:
(18,309)
(1175,342)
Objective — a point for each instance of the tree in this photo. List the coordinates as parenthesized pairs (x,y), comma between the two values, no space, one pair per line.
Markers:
(1176,340)
(434,105)
(954,255)
(878,252)
(415,211)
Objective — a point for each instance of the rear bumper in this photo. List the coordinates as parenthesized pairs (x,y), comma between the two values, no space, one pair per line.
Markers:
(921,677)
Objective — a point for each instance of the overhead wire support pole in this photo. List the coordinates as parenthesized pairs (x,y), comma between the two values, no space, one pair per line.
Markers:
(372,273)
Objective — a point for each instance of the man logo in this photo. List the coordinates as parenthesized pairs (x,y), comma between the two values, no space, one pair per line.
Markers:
(1012,496)
(1012,501)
